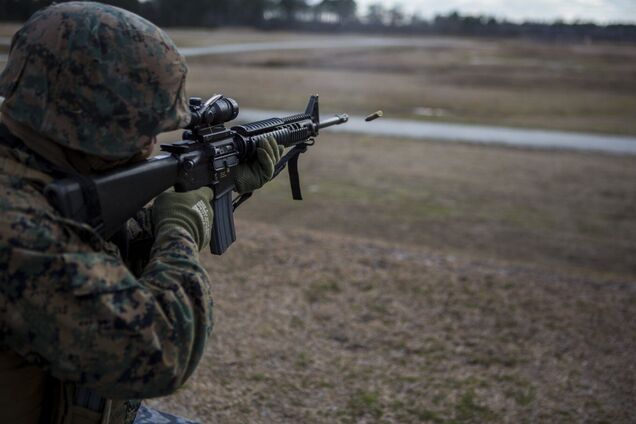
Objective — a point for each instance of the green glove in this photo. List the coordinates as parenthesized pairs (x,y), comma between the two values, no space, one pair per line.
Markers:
(253,175)
(191,210)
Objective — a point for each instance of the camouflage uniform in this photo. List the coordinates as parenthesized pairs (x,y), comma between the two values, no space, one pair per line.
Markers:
(71,312)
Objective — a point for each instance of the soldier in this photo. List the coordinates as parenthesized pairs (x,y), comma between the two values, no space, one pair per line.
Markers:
(87,88)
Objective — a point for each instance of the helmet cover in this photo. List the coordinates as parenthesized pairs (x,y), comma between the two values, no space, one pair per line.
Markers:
(95,78)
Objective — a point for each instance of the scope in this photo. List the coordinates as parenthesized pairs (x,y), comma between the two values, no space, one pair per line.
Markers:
(216,111)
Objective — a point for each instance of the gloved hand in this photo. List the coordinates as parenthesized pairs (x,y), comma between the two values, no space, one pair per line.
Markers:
(253,175)
(191,210)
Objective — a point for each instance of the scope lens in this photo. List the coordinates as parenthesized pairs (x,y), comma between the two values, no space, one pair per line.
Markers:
(222,111)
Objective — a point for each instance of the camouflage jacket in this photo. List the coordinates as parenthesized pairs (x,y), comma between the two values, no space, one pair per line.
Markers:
(70,305)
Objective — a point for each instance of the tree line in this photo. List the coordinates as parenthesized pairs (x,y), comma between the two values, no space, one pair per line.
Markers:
(336,15)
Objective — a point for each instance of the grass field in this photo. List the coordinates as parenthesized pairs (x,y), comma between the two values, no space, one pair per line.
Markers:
(315,327)
(568,212)
(427,282)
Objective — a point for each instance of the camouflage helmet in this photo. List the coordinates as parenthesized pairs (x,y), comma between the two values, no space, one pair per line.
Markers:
(95,78)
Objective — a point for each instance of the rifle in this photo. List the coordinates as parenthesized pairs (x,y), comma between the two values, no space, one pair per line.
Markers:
(207,156)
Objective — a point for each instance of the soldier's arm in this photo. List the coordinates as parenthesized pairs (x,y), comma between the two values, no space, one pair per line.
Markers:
(72,306)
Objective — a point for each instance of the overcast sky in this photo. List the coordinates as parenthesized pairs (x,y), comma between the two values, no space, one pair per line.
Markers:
(602,11)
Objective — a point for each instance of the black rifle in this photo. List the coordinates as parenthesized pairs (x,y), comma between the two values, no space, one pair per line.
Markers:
(208,156)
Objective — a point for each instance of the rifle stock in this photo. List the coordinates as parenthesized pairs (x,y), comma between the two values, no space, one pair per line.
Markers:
(106,201)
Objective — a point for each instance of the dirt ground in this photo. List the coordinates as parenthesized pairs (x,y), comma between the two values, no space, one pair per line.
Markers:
(315,327)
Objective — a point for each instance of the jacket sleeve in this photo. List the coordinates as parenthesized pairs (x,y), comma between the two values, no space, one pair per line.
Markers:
(68,303)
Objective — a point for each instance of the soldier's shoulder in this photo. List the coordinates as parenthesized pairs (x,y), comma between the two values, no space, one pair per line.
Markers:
(37,246)
(28,221)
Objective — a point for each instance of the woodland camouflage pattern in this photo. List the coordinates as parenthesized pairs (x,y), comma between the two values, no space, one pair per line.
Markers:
(70,305)
(95,78)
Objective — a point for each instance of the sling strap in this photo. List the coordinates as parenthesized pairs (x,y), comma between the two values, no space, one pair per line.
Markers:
(290,160)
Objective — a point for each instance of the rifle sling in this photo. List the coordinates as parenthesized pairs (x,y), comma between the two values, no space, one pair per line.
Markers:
(294,178)
(291,161)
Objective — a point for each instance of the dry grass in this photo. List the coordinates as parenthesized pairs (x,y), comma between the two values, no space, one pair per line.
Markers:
(319,328)
(555,210)
(8,29)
